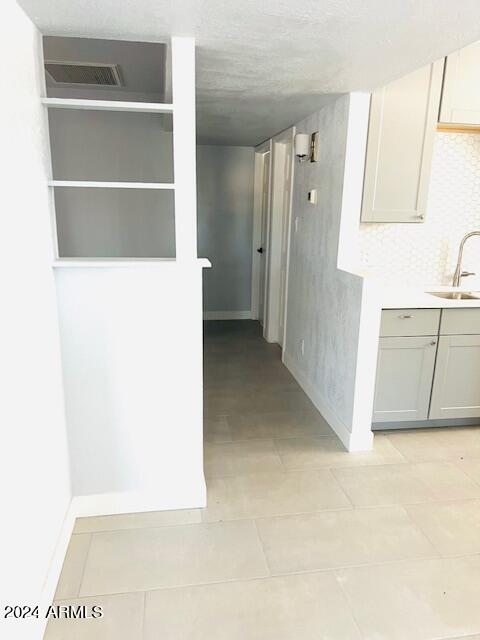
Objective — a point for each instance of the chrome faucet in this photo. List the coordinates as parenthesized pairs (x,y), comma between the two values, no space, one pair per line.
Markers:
(458,270)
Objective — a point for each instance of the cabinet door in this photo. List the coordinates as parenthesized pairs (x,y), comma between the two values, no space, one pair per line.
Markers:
(461,87)
(456,386)
(403,119)
(404,378)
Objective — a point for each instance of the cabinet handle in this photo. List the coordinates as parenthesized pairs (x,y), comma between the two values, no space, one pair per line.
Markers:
(433,343)
(405,317)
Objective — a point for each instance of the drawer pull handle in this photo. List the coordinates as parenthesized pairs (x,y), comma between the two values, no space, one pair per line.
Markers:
(405,317)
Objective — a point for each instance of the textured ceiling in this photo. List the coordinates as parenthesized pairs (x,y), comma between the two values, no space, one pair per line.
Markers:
(264,64)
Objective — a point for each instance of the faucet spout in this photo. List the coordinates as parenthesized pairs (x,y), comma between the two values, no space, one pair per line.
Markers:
(458,269)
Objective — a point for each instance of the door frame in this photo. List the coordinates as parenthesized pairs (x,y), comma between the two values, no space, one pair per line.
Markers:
(260,151)
(278,219)
(288,137)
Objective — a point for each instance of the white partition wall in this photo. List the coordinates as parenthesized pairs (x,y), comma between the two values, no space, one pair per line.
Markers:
(131,332)
(132,358)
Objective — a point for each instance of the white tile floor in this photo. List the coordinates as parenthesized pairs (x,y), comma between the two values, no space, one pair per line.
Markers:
(300,540)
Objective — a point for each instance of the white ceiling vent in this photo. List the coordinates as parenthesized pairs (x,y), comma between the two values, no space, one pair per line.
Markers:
(87,73)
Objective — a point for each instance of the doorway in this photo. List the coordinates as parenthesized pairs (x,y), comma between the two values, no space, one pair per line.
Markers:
(261,208)
(272,214)
(261,250)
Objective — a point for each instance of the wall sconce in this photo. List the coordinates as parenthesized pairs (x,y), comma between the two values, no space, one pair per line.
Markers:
(306,146)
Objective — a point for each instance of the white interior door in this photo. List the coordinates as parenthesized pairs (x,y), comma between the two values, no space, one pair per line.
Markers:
(263,244)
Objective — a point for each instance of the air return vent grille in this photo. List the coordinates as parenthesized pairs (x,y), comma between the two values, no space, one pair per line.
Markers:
(89,73)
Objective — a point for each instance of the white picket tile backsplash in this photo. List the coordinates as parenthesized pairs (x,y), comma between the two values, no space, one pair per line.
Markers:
(426,253)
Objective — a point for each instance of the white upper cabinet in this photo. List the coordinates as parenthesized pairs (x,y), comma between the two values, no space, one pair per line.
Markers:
(403,120)
(461,87)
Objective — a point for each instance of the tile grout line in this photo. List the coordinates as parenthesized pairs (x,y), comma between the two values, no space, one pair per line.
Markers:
(281,515)
(468,636)
(332,570)
(152,526)
(143,631)
(80,583)
(339,486)
(421,531)
(350,507)
(275,444)
(283,437)
(262,547)
(346,596)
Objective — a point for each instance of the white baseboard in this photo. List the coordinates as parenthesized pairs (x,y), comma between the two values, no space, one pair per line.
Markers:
(349,440)
(227,315)
(56,563)
(107,504)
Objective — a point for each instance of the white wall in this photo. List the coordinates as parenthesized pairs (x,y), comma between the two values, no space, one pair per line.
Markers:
(225,225)
(132,357)
(34,466)
(113,146)
(325,303)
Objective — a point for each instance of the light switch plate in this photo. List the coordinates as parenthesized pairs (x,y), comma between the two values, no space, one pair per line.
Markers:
(312,196)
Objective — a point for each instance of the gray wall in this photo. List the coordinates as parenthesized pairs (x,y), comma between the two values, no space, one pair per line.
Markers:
(323,301)
(225,221)
(115,223)
(113,146)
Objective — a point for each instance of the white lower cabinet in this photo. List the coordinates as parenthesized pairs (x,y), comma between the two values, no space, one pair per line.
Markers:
(456,386)
(404,378)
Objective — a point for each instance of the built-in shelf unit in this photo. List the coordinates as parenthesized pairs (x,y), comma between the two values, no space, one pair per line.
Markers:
(180,112)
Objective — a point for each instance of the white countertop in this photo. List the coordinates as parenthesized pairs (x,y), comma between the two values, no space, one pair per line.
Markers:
(398,296)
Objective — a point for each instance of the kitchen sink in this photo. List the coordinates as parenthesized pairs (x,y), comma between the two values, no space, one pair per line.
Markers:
(456,295)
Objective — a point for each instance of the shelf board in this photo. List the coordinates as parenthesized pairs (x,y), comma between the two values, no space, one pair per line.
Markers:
(111,185)
(107,105)
(108,263)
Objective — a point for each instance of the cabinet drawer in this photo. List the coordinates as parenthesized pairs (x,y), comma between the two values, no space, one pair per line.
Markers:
(410,322)
(460,321)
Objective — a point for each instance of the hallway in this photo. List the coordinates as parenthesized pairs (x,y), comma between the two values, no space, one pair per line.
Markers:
(257,418)
(300,539)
